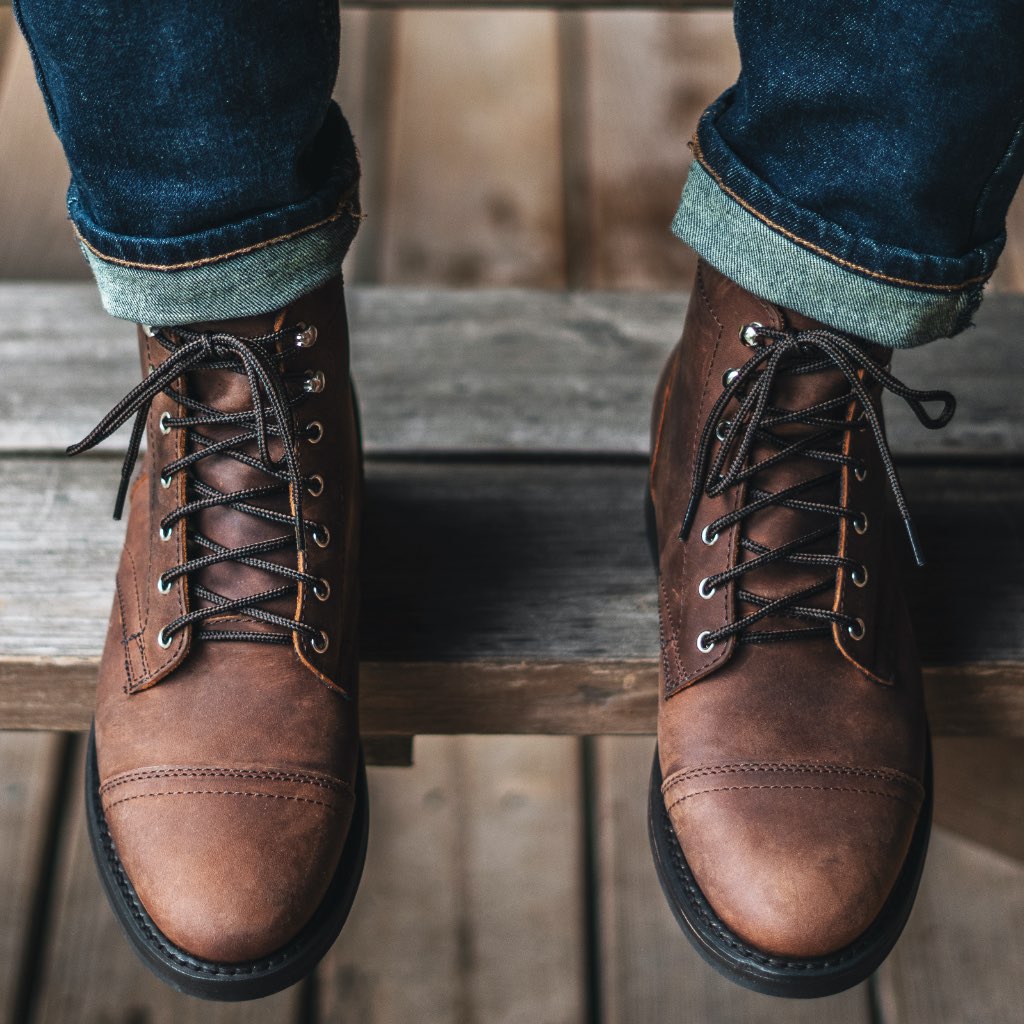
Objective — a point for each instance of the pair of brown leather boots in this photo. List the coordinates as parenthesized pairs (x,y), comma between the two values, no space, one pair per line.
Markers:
(790,795)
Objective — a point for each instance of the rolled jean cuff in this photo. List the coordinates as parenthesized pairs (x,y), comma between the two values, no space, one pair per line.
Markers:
(256,264)
(260,278)
(790,256)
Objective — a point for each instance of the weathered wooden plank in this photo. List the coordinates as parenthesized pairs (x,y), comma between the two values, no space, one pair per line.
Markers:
(470,908)
(89,974)
(979,791)
(28,770)
(648,970)
(485,371)
(961,954)
(473,193)
(505,597)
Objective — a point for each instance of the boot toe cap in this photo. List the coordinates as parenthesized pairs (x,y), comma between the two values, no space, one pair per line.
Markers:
(796,870)
(229,867)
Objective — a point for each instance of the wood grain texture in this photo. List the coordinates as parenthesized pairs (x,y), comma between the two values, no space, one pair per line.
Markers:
(90,975)
(960,956)
(473,193)
(28,769)
(648,77)
(979,791)
(520,597)
(506,371)
(650,972)
(471,906)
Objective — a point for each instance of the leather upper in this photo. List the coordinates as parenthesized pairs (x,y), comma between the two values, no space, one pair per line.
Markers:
(793,771)
(227,767)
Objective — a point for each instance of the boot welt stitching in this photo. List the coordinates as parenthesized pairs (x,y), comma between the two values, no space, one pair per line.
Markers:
(828,789)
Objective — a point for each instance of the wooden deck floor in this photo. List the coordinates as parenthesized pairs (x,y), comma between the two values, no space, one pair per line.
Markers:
(508,881)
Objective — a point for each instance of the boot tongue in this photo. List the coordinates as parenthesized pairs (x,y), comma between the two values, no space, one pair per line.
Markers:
(229,391)
(778,525)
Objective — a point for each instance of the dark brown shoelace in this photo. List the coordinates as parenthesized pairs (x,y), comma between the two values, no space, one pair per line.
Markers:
(271,416)
(778,353)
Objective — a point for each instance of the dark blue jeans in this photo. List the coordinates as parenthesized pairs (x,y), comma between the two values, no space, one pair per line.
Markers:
(859,171)
(211,173)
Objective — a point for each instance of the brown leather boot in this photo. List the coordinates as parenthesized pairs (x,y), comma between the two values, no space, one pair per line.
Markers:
(226,795)
(791,791)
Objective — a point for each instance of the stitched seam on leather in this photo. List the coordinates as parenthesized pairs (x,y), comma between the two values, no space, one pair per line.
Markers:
(919,285)
(223,792)
(686,774)
(687,677)
(139,635)
(124,636)
(823,789)
(179,588)
(672,374)
(224,773)
(844,533)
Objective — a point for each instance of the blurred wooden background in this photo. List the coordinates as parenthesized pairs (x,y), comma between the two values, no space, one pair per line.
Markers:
(509,879)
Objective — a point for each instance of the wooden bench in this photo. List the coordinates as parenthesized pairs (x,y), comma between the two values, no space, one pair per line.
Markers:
(508,587)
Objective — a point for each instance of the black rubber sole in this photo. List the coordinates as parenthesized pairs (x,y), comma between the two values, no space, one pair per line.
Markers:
(726,952)
(794,978)
(238,981)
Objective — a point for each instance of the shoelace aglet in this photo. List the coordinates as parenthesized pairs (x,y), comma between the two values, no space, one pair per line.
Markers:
(122,493)
(915,544)
(691,512)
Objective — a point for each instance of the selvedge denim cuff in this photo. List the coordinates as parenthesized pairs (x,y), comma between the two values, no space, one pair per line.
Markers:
(257,278)
(791,256)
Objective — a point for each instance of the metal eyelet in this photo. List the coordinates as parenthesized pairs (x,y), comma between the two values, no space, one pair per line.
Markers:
(729,377)
(321,535)
(860,523)
(305,337)
(748,334)
(722,429)
(164,641)
(703,645)
(704,591)
(166,481)
(163,586)
(164,417)
(147,330)
(709,540)
(165,534)
(314,383)
(324,642)
(860,472)
(856,629)
(315,485)
(321,590)
(317,434)
(859,576)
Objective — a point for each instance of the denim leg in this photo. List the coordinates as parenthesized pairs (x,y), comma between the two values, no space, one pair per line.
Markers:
(211,174)
(861,168)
